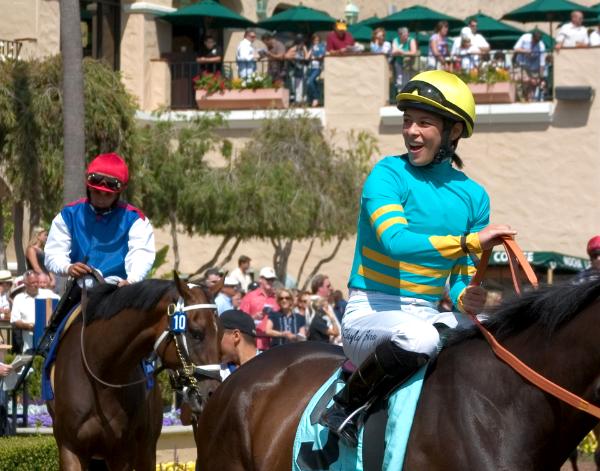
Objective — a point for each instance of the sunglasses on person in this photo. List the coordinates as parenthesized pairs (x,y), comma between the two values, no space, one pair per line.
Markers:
(426,90)
(284,298)
(98,179)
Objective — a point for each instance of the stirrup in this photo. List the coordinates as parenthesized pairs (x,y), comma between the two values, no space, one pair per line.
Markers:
(340,429)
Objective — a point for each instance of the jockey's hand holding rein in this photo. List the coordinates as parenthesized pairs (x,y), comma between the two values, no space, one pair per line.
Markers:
(79,269)
(474,297)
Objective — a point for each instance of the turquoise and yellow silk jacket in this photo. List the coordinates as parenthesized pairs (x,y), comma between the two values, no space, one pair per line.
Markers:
(409,228)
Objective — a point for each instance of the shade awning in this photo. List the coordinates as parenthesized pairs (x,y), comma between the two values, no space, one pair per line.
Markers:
(554,260)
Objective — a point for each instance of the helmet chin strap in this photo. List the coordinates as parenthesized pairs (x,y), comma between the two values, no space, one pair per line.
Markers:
(446,150)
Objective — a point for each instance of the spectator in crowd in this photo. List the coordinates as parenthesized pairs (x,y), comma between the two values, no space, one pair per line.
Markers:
(404,53)
(275,55)
(242,272)
(592,273)
(530,57)
(34,254)
(245,55)
(6,280)
(315,66)
(22,315)
(45,285)
(252,286)
(260,302)
(224,300)
(236,299)
(297,56)
(238,344)
(211,277)
(211,55)
(100,232)
(324,326)
(303,306)
(285,325)
(572,34)
(339,41)
(595,36)
(320,286)
(438,47)
(477,39)
(378,43)
(5,429)
(339,304)
(467,54)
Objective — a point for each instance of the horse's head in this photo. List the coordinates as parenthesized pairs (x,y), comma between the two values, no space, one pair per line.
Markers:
(186,354)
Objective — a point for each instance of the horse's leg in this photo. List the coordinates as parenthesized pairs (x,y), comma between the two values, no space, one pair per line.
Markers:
(70,461)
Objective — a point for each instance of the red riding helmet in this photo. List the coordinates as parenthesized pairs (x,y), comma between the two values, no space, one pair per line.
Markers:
(107,172)
(593,245)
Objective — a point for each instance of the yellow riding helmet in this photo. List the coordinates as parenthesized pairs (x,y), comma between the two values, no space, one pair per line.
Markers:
(442,92)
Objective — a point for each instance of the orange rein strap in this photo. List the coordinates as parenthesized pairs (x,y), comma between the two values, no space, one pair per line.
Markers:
(515,256)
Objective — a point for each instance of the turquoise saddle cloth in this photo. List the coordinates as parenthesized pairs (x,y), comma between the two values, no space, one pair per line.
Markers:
(316,450)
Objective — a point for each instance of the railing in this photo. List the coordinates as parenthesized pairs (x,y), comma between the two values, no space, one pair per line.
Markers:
(303,81)
(10,49)
(531,75)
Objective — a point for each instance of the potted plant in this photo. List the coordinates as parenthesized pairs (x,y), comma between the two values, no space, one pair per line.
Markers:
(214,92)
(490,84)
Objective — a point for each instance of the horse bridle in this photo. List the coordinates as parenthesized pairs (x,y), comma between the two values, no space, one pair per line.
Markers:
(186,380)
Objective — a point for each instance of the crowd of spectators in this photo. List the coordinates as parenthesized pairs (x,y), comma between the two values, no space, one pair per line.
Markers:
(298,62)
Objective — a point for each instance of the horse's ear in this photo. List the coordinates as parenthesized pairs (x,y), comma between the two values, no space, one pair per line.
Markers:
(181,286)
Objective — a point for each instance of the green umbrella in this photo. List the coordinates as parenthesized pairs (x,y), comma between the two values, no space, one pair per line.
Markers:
(372,20)
(488,26)
(417,18)
(214,14)
(299,19)
(361,33)
(547,10)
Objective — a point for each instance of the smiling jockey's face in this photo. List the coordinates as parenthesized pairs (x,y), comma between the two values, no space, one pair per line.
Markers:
(102,199)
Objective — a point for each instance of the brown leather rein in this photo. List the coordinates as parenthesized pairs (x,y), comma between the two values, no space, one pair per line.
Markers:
(516,258)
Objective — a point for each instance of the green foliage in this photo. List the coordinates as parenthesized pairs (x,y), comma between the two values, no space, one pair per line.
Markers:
(31,133)
(159,261)
(35,453)
(166,390)
(171,165)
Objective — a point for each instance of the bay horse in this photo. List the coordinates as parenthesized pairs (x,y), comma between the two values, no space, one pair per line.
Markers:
(94,418)
(475,412)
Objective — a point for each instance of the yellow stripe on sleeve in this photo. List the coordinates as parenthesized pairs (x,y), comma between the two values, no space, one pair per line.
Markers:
(387,208)
(408,267)
(399,283)
(464,270)
(388,223)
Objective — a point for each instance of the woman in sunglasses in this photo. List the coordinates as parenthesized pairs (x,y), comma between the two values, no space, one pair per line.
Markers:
(101,232)
(422,222)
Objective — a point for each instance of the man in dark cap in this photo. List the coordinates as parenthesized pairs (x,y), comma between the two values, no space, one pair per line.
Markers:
(238,344)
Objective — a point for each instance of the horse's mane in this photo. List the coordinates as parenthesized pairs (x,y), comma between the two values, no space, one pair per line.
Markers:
(549,307)
(106,300)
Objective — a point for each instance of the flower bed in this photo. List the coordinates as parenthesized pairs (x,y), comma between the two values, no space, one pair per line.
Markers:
(215,92)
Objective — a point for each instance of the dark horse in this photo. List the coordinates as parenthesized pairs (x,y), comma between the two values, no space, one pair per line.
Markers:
(121,425)
(475,412)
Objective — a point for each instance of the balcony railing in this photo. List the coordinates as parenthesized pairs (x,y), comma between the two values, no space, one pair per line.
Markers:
(10,49)
(304,82)
(531,74)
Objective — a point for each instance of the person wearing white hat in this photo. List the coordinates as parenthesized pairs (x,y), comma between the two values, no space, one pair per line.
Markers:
(223,300)
(260,302)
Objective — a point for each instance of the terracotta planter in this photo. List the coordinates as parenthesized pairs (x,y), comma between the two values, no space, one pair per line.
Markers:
(263,98)
(499,92)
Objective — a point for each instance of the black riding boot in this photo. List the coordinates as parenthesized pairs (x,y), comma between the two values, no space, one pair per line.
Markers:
(68,301)
(384,370)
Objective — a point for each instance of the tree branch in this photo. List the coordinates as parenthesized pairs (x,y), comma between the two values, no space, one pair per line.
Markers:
(232,250)
(215,257)
(322,262)
(305,259)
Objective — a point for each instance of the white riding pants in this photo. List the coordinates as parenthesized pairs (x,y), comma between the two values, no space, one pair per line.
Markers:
(372,318)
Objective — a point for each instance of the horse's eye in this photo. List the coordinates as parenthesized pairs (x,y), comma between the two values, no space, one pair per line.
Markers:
(197,334)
